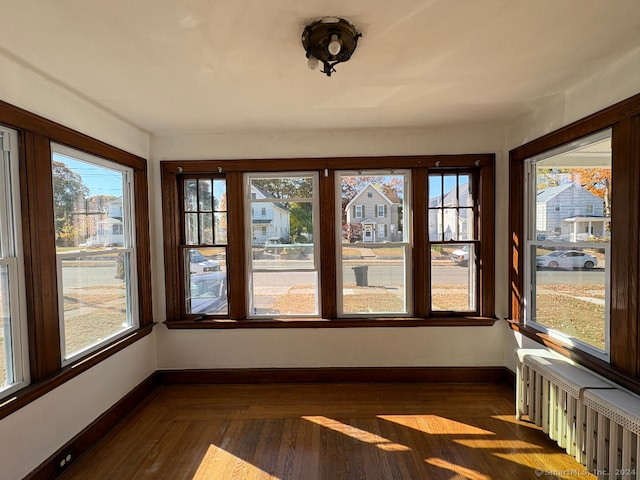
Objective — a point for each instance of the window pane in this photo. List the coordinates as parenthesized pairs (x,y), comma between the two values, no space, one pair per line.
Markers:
(570,293)
(284,267)
(205,195)
(190,195)
(207,281)
(453,278)
(569,239)
(206,228)
(374,250)
(95,301)
(191,225)
(374,279)
(6,350)
(205,203)
(451,216)
(285,293)
(95,250)
(87,204)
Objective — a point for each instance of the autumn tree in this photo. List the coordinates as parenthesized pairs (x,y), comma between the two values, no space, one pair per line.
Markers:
(68,191)
(598,182)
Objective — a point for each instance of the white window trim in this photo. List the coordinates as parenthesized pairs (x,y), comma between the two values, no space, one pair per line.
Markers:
(250,199)
(128,212)
(359,211)
(11,243)
(531,242)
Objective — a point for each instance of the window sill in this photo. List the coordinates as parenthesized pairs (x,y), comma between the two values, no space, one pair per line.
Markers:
(331,323)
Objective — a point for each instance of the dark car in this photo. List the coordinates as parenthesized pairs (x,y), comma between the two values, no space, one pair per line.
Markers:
(201,264)
(208,293)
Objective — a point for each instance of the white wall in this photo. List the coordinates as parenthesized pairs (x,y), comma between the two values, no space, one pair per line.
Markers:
(605,88)
(23,88)
(33,433)
(340,347)
(30,435)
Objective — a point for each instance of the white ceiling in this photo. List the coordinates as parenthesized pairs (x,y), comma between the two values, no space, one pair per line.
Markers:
(207,66)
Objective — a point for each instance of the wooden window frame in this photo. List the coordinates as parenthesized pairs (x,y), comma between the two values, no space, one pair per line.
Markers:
(172,171)
(624,120)
(36,197)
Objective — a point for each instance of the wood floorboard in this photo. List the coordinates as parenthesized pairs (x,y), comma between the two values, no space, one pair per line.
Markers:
(326,432)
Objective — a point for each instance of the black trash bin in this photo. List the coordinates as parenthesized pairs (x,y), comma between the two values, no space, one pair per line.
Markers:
(361,275)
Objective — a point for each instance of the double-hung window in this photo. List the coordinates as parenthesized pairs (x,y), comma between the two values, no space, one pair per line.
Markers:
(373,267)
(95,251)
(283,264)
(453,233)
(204,245)
(568,238)
(13,334)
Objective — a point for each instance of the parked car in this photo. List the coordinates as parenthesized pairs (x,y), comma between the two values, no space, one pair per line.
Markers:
(271,246)
(567,259)
(201,264)
(208,292)
(461,256)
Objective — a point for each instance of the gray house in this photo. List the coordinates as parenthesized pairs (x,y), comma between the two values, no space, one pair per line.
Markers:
(374,214)
(571,212)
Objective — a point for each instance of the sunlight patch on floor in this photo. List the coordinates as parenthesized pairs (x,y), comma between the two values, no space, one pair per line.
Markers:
(467,473)
(217,459)
(434,424)
(357,433)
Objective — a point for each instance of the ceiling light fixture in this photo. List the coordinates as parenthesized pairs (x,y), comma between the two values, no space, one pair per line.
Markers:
(330,40)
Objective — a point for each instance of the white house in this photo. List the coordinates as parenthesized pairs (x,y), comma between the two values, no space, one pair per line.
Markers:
(451,215)
(571,212)
(268,219)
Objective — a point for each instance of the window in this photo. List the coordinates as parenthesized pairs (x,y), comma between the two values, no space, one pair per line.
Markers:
(61,248)
(95,250)
(452,220)
(13,347)
(569,273)
(338,246)
(284,268)
(588,308)
(203,245)
(373,271)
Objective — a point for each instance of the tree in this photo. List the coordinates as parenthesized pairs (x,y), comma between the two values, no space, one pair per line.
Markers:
(301,213)
(68,191)
(598,182)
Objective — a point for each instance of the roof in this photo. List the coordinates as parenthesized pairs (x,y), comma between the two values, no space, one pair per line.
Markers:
(371,185)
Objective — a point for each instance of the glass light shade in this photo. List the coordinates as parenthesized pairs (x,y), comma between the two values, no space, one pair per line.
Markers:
(312,63)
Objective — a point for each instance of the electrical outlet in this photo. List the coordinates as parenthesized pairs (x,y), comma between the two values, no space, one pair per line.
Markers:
(64,461)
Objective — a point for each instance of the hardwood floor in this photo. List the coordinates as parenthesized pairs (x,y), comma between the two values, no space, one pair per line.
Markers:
(326,432)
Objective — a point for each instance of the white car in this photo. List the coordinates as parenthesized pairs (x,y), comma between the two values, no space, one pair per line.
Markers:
(461,257)
(567,259)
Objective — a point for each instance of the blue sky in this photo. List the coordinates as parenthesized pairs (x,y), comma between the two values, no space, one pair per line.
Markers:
(99,180)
